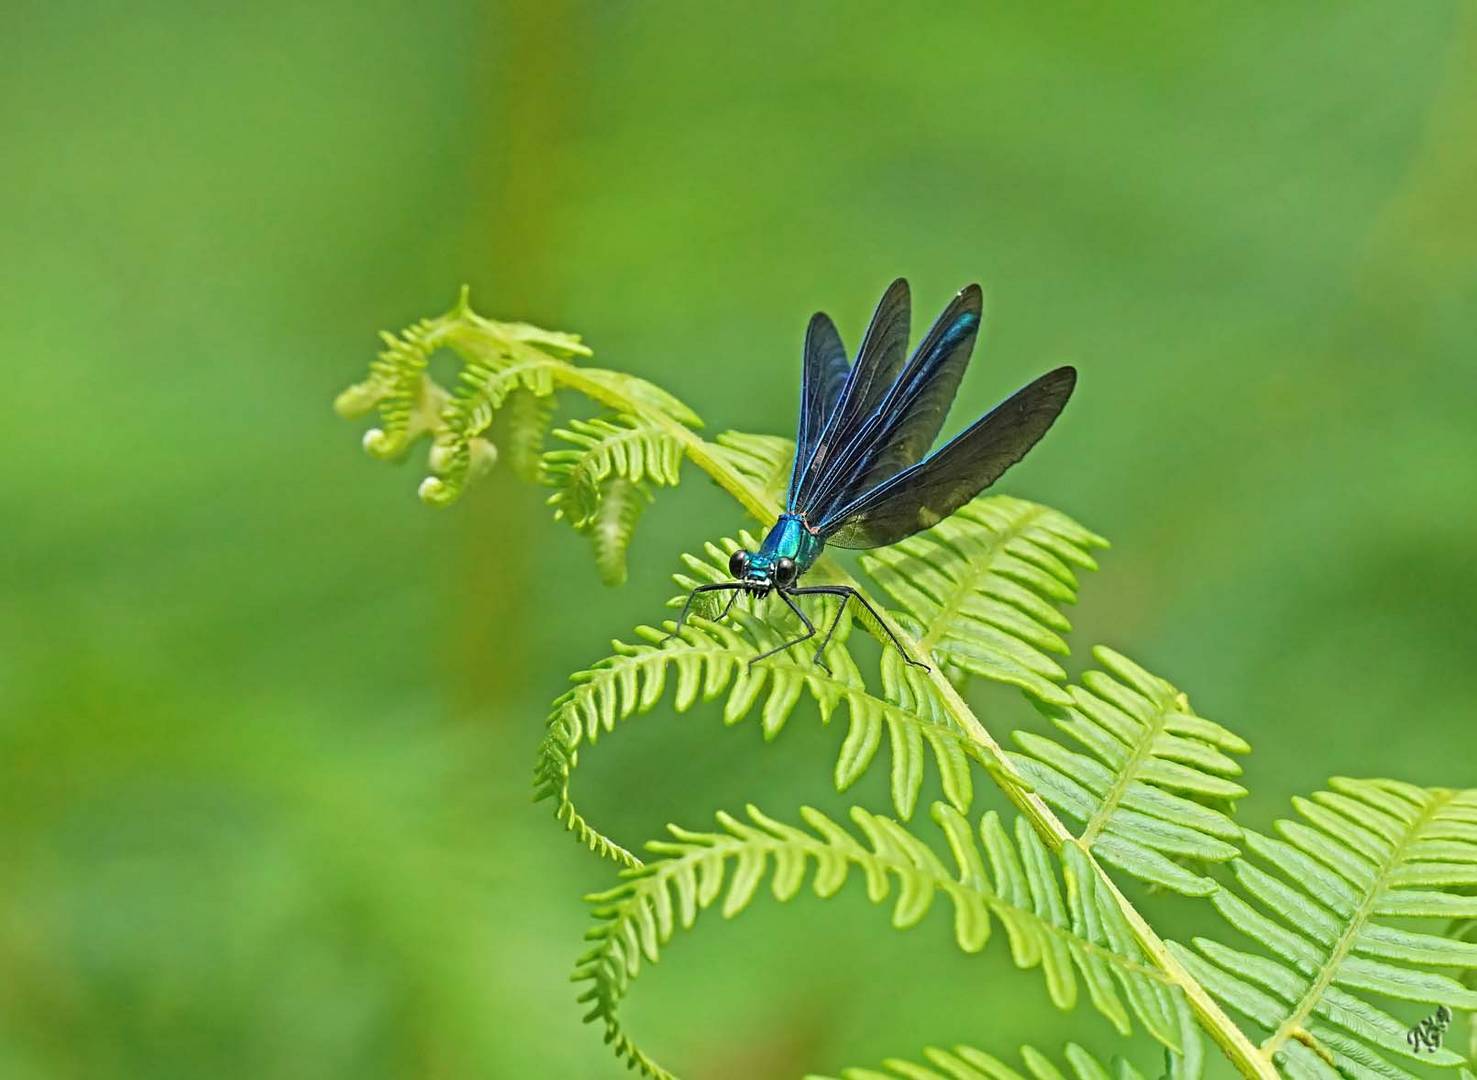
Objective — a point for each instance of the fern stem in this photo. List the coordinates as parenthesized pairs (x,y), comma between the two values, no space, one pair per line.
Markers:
(1226,1033)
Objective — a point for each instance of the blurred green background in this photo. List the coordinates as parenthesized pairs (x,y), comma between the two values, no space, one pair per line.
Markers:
(269,723)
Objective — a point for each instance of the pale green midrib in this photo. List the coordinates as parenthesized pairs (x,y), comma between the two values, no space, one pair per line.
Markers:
(966,584)
(1227,1035)
(859,856)
(1345,944)
(1123,778)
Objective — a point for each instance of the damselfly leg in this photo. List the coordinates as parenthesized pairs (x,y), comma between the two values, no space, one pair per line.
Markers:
(734,586)
(809,633)
(846,592)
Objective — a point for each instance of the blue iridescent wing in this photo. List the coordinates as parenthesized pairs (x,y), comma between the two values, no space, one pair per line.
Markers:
(926,493)
(825,374)
(905,423)
(878,362)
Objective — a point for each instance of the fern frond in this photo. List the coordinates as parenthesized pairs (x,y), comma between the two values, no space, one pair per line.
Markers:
(763,460)
(484,387)
(987,584)
(599,450)
(630,393)
(1073,933)
(613,525)
(600,480)
(512,364)
(995,617)
(618,446)
(409,402)
(971,1063)
(709,660)
(1330,899)
(502,361)
(1149,762)
(528,418)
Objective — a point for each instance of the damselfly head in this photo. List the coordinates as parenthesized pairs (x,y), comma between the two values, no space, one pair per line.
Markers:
(759,572)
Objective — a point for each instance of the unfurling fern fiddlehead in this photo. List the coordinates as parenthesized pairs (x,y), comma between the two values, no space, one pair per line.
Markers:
(1141,784)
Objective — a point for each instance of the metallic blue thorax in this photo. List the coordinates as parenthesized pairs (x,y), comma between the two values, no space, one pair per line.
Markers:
(789,538)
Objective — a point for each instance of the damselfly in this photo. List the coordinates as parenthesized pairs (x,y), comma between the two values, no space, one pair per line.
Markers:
(860,478)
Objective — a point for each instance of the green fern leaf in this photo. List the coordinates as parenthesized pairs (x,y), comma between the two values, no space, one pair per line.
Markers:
(1076,936)
(513,365)
(502,362)
(1330,898)
(710,660)
(409,402)
(485,386)
(987,584)
(528,419)
(601,481)
(971,1063)
(1152,786)
(500,358)
(598,450)
(763,460)
(614,523)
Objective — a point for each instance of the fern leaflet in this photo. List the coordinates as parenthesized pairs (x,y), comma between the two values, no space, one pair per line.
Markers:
(971,1063)
(529,415)
(619,446)
(409,402)
(1326,898)
(763,460)
(1148,759)
(712,659)
(1075,934)
(601,481)
(987,584)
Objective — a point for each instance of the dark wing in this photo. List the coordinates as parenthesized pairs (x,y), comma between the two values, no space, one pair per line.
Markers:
(906,422)
(820,386)
(877,363)
(923,495)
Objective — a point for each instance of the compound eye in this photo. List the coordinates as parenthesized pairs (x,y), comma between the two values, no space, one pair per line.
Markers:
(738,563)
(784,571)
